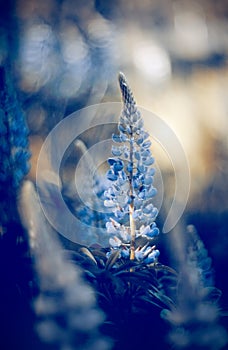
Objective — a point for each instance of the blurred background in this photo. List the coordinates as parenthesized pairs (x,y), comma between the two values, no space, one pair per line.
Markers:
(66,55)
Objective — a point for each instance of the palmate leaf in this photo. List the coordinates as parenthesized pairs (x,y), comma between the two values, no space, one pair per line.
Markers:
(129,292)
(156,298)
(139,290)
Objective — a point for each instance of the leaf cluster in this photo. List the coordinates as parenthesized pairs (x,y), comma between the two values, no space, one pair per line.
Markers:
(124,287)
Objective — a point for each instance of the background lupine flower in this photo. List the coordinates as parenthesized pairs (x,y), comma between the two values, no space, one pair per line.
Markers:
(89,209)
(67,315)
(13,146)
(131,173)
(195,317)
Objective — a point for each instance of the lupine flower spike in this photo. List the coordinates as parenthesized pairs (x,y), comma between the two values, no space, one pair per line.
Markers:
(195,319)
(66,309)
(131,192)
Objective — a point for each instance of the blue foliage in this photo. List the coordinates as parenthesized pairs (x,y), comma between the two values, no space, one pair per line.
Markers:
(131,176)
(13,141)
(13,133)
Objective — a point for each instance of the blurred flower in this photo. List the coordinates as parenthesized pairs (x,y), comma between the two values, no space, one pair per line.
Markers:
(37,57)
(64,57)
(67,314)
(195,318)
(13,145)
(153,61)
(191,32)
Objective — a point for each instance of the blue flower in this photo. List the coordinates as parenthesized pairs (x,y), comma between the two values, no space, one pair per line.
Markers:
(152,257)
(116,151)
(147,254)
(111,175)
(132,189)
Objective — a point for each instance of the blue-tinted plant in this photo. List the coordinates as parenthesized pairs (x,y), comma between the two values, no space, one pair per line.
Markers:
(15,271)
(195,314)
(13,145)
(67,316)
(90,209)
(131,192)
(126,274)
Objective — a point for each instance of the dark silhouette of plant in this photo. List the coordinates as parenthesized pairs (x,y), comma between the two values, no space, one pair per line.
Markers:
(13,146)
(16,271)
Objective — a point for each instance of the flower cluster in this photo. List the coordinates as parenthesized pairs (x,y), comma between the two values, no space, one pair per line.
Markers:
(131,192)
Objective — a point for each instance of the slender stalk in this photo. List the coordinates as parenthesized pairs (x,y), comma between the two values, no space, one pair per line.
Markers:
(133,236)
(131,205)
